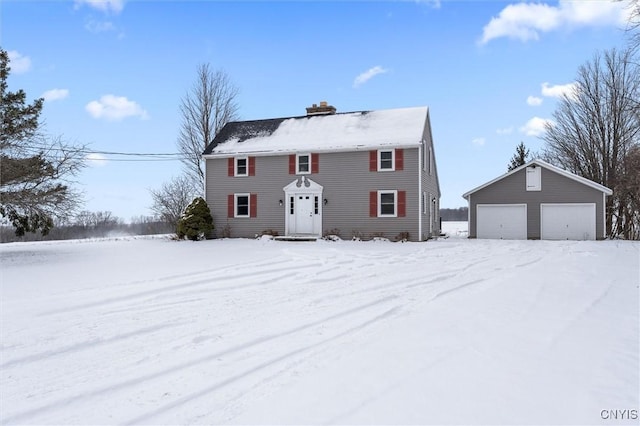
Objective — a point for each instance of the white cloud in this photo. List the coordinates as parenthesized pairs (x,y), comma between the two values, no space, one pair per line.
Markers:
(535,126)
(436,4)
(558,90)
(55,94)
(478,141)
(19,63)
(525,21)
(505,131)
(368,75)
(96,27)
(115,108)
(95,159)
(114,6)
(534,101)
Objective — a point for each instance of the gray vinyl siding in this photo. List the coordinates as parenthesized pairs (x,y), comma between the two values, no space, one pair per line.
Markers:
(430,185)
(555,189)
(346,182)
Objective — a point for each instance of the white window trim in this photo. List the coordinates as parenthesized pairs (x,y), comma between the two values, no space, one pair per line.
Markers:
(235,205)
(395,202)
(235,166)
(298,172)
(393,160)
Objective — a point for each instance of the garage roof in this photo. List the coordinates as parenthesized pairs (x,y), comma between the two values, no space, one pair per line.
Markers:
(551,167)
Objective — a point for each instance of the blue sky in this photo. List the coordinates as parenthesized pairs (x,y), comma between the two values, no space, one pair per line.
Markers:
(113,72)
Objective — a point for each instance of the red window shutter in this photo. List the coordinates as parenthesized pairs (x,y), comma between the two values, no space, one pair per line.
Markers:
(231,167)
(315,163)
(402,203)
(292,164)
(373,161)
(399,159)
(373,204)
(253,205)
(230,206)
(252,166)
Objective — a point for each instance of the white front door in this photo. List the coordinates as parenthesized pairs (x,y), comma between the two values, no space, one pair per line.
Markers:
(304,211)
(303,207)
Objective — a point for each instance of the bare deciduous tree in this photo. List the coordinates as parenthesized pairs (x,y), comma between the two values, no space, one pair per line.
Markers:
(170,201)
(205,109)
(596,127)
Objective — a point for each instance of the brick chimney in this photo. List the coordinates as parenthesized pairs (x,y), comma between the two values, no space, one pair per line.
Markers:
(323,109)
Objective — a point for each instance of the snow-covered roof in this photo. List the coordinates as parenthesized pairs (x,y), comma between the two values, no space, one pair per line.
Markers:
(551,167)
(344,131)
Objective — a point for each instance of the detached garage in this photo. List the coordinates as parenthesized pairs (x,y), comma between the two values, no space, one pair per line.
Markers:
(538,201)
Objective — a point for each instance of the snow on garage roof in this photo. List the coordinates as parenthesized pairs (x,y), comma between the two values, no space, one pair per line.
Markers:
(343,131)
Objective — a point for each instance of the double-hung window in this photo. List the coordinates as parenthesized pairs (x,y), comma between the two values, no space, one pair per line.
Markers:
(386,160)
(387,203)
(242,166)
(303,164)
(242,205)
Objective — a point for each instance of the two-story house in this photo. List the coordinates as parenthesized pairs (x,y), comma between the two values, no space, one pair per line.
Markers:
(362,174)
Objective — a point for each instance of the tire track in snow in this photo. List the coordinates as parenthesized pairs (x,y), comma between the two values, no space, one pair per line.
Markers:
(169,288)
(89,344)
(22,417)
(262,366)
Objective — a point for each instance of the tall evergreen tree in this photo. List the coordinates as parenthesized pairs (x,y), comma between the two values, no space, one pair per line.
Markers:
(34,169)
(520,157)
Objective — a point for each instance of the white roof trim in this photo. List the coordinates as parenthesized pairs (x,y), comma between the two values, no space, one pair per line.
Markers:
(551,167)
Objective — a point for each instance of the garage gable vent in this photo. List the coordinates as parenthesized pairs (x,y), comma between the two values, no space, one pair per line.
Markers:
(534,178)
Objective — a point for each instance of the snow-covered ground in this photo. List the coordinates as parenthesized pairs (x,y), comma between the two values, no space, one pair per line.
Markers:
(152,331)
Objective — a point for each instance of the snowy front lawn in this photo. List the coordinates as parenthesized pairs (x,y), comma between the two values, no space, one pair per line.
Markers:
(150,331)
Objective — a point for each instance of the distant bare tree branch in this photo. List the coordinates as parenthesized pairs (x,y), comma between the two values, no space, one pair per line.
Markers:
(170,200)
(205,109)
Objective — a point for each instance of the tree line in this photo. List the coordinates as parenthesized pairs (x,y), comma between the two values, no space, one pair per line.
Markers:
(461,214)
(86,224)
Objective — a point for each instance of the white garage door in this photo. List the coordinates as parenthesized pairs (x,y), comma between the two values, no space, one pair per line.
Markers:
(503,221)
(568,221)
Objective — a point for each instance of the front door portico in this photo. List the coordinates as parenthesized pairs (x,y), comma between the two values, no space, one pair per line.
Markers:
(303,209)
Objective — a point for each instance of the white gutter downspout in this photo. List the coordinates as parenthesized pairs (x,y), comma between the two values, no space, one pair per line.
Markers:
(420,201)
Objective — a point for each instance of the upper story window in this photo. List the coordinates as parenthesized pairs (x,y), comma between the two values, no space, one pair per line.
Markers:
(303,164)
(242,166)
(386,160)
